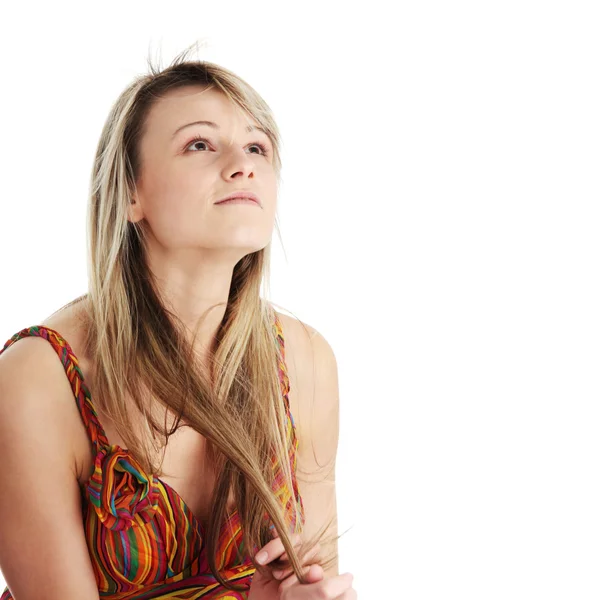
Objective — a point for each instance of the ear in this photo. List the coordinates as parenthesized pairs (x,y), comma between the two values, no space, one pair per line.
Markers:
(134,210)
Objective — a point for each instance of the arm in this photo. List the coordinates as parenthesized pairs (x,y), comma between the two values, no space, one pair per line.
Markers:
(315,407)
(43,551)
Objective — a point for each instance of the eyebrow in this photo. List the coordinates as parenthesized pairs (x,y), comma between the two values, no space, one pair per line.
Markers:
(215,126)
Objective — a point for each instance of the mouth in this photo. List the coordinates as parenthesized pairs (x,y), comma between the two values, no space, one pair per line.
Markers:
(240,197)
(238,201)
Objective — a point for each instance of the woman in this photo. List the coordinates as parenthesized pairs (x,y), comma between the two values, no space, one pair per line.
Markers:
(181,450)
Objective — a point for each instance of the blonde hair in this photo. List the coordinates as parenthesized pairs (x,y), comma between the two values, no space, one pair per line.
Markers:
(139,350)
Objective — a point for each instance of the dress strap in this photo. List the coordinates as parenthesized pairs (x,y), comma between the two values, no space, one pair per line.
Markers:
(283,374)
(293,495)
(70,363)
(81,392)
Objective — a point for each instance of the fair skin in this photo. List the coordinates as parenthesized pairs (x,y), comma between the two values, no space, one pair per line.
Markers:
(193,243)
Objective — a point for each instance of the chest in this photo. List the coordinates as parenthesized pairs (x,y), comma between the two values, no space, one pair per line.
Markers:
(183,462)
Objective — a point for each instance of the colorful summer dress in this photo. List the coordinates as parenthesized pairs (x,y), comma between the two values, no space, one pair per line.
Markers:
(144,541)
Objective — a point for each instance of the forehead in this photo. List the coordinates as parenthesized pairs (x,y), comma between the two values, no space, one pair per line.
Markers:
(193,103)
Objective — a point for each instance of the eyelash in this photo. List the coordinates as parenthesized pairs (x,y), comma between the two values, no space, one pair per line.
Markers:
(263,147)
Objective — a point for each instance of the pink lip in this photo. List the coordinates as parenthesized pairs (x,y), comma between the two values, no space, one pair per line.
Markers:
(240,197)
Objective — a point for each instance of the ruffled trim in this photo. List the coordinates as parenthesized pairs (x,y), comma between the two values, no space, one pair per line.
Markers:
(122,494)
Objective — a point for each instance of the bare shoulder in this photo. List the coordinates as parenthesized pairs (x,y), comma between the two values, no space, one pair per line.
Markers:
(32,364)
(314,389)
(68,322)
(42,544)
(31,368)
(303,340)
(35,388)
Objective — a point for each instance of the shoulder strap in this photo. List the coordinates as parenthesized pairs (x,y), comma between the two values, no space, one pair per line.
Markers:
(82,394)
(283,374)
(75,376)
(294,494)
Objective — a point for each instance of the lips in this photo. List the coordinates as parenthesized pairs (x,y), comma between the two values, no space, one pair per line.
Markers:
(239,201)
(241,196)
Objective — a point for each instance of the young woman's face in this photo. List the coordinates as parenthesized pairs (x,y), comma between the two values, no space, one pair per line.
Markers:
(182,177)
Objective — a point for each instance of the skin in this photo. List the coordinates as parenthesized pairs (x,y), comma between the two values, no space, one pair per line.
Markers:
(286,586)
(193,243)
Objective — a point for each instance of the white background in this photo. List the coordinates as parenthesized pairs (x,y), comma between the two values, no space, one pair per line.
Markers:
(440,220)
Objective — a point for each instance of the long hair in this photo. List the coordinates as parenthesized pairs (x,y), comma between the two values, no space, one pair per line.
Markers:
(139,349)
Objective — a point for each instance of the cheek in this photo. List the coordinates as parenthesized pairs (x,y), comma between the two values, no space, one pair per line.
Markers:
(174,212)
(176,220)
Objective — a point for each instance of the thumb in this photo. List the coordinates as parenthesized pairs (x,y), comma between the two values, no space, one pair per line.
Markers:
(315,573)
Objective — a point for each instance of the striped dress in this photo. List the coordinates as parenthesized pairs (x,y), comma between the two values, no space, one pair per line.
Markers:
(144,541)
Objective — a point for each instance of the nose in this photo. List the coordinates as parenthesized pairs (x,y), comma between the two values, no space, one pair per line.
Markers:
(238,164)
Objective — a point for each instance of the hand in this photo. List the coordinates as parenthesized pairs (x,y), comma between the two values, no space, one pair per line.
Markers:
(284,584)
(267,587)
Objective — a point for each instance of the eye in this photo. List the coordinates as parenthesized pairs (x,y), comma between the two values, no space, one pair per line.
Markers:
(197,139)
(264,149)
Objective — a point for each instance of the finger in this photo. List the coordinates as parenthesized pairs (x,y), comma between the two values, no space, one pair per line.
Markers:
(310,555)
(303,559)
(274,549)
(313,573)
